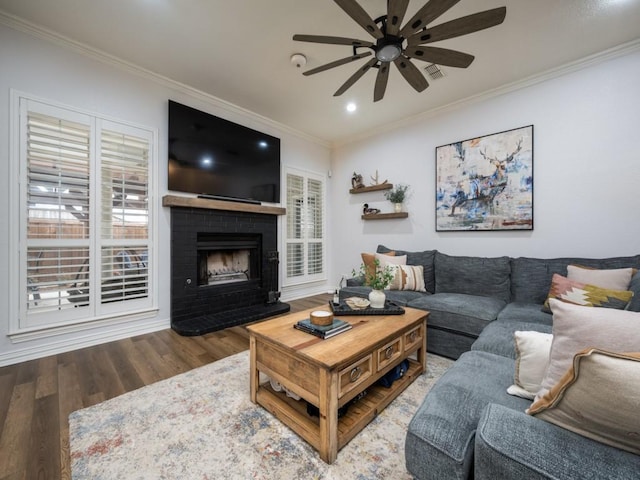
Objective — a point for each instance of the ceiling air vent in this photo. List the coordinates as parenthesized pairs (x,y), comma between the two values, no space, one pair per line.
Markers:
(434,71)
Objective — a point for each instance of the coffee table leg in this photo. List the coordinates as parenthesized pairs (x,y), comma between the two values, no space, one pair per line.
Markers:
(328,416)
(253,370)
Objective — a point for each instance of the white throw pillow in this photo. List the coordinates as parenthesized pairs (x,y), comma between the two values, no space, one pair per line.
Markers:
(388,260)
(532,357)
(576,327)
(613,279)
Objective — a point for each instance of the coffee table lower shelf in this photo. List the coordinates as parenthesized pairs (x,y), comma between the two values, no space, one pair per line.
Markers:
(293,413)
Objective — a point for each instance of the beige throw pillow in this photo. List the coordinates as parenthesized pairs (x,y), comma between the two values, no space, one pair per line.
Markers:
(532,356)
(599,398)
(576,327)
(613,279)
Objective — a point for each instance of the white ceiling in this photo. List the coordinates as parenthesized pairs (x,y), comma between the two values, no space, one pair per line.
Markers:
(239,50)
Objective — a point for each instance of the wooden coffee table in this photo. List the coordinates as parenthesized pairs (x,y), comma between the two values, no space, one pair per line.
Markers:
(331,373)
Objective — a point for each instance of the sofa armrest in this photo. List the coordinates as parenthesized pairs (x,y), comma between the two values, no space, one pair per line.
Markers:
(510,444)
(355,281)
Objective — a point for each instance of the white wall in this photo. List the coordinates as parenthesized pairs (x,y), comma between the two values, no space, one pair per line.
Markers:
(65,76)
(586,171)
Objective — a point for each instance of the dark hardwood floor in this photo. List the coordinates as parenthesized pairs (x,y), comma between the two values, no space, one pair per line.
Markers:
(37,397)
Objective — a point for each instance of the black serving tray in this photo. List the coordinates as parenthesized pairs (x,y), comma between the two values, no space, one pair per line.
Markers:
(389,308)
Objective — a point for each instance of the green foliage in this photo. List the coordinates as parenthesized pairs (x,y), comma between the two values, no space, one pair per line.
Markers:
(380,279)
(397,194)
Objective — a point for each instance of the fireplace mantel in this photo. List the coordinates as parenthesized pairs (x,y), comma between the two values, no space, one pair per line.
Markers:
(193,202)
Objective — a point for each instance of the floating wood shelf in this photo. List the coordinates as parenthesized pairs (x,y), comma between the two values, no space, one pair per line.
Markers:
(372,188)
(384,216)
(192,202)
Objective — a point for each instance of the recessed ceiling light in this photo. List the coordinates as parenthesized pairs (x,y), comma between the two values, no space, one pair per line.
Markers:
(351,107)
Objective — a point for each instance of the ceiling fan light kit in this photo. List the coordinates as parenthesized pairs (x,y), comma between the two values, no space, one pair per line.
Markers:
(400,45)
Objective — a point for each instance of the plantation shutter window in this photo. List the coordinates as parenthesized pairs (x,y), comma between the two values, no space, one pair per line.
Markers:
(305,236)
(57,204)
(85,235)
(124,217)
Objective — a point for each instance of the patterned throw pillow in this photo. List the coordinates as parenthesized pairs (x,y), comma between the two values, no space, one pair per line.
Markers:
(408,277)
(583,400)
(577,293)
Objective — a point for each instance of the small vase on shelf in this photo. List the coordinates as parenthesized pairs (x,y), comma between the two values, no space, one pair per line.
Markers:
(397,207)
(377,298)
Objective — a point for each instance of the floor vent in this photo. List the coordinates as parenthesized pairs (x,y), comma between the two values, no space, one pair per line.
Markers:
(434,71)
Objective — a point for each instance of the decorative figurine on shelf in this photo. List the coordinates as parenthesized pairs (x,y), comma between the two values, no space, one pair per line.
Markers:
(375,180)
(356,181)
(367,211)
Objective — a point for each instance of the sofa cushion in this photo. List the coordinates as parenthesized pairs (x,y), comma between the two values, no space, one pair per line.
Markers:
(525,312)
(598,398)
(488,277)
(634,286)
(497,338)
(510,444)
(459,312)
(440,436)
(531,277)
(424,258)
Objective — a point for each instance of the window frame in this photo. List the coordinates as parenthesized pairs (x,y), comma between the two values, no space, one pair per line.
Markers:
(23,326)
(306,277)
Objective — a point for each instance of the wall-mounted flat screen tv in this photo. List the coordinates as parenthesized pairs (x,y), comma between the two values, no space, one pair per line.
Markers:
(217,158)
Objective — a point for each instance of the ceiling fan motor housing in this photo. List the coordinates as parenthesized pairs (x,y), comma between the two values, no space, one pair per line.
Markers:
(388,48)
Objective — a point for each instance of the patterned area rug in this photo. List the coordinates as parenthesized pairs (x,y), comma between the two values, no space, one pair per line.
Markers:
(202,425)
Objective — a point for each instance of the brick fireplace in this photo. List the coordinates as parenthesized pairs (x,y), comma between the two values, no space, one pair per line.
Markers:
(224,264)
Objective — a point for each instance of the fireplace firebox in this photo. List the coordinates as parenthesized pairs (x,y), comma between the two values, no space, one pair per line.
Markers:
(224,258)
(224,269)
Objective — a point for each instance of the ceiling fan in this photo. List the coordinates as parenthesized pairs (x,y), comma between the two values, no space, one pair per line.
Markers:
(398,45)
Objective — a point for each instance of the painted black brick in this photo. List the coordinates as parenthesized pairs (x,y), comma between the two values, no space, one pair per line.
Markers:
(190,302)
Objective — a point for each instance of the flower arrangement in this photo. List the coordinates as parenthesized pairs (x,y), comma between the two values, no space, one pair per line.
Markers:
(397,194)
(377,278)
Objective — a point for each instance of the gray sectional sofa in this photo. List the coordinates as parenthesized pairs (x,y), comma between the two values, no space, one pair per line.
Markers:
(468,426)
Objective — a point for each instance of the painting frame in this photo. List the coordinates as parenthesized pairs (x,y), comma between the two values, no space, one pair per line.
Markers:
(485,183)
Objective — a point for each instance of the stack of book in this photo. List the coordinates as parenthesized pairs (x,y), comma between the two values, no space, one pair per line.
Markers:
(326,331)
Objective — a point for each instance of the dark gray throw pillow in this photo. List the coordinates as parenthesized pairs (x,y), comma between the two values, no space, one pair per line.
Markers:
(424,258)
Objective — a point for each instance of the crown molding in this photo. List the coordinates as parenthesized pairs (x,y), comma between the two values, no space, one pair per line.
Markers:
(586,62)
(51,36)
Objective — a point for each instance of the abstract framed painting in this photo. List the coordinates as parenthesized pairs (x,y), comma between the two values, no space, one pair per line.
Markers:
(486,183)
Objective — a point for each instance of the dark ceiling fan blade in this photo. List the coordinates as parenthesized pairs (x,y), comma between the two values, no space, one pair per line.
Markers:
(381,81)
(411,73)
(460,26)
(336,63)
(427,14)
(332,40)
(440,56)
(355,77)
(362,18)
(395,14)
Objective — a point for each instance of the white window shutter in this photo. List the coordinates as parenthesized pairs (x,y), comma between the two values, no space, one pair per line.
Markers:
(305,238)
